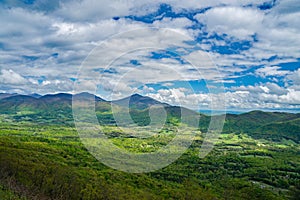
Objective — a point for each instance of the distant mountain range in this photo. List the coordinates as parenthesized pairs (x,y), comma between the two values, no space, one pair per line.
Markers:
(57,108)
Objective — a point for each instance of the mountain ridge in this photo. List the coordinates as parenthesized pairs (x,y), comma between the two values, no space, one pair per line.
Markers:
(57,108)
(132,99)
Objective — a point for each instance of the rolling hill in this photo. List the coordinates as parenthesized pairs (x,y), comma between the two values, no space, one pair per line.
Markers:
(259,124)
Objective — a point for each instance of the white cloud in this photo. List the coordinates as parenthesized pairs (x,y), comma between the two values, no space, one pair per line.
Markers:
(269,88)
(264,96)
(277,32)
(93,10)
(175,23)
(236,21)
(292,80)
(116,53)
(71,29)
(46,82)
(294,77)
(11,77)
(292,97)
(34,34)
(168,84)
(271,71)
(267,95)
(147,89)
(287,6)
(178,5)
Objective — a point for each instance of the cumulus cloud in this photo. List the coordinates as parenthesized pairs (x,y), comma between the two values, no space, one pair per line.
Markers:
(43,45)
(271,33)
(243,98)
(236,21)
(292,80)
(175,23)
(269,88)
(179,6)
(294,77)
(271,71)
(93,10)
(11,77)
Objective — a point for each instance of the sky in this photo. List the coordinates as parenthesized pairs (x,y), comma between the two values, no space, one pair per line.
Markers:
(196,53)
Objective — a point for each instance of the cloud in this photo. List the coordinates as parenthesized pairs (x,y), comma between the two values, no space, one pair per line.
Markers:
(11,77)
(235,21)
(175,23)
(93,10)
(242,100)
(287,6)
(180,6)
(57,46)
(294,77)
(271,71)
(268,88)
(292,80)
(117,52)
(263,96)
(275,32)
(43,45)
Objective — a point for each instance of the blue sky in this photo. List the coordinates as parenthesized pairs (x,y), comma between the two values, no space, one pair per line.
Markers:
(252,48)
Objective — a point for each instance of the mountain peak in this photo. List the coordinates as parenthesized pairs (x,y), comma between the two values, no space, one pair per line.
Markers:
(57,97)
(86,95)
(35,95)
(138,101)
(6,95)
(136,95)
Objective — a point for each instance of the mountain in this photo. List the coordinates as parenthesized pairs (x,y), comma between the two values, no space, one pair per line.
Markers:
(270,125)
(88,96)
(53,108)
(138,102)
(12,103)
(289,130)
(247,121)
(5,95)
(57,108)
(18,103)
(261,117)
(35,95)
(139,110)
(57,97)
